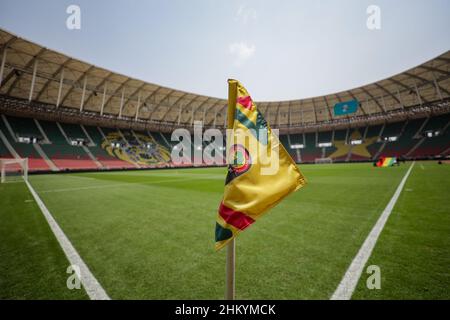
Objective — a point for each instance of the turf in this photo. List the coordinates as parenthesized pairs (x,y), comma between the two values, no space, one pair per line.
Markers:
(32,265)
(413,252)
(150,234)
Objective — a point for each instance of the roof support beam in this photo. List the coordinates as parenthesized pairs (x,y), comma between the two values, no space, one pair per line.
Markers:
(224,108)
(4,54)
(190,102)
(417,93)
(314,110)
(225,119)
(290,114)
(438,90)
(383,102)
(400,99)
(266,112)
(138,106)
(28,65)
(149,97)
(198,107)
(102,83)
(61,80)
(102,107)
(330,117)
(78,79)
(2,66)
(277,115)
(47,83)
(83,93)
(122,86)
(160,103)
(9,42)
(435,70)
(387,91)
(179,115)
(173,105)
(373,98)
(215,117)
(192,116)
(33,80)
(121,102)
(443,59)
(138,90)
(213,120)
(204,114)
(425,81)
(301,110)
(367,102)
(405,87)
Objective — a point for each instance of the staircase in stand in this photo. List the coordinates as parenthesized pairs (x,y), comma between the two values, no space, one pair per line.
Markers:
(89,153)
(380,150)
(415,147)
(43,155)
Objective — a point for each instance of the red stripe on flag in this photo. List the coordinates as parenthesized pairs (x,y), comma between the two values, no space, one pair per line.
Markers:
(245,102)
(235,218)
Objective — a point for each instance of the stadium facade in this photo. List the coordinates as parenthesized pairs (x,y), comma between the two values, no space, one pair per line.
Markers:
(65,114)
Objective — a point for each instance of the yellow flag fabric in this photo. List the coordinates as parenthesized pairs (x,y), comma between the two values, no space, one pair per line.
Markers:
(260,172)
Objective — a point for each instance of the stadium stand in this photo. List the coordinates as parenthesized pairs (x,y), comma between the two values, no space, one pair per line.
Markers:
(117,122)
(405,139)
(437,142)
(310,152)
(24,127)
(131,151)
(64,155)
(23,150)
(107,161)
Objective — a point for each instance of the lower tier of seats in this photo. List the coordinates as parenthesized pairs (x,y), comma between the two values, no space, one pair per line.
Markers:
(109,148)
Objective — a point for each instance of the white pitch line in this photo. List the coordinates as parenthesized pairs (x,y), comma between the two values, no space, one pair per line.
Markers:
(90,283)
(348,283)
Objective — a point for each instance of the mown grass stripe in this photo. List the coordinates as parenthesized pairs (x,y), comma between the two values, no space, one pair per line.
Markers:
(90,283)
(348,283)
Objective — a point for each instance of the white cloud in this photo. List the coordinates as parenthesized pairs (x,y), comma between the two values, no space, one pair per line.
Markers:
(246,14)
(242,51)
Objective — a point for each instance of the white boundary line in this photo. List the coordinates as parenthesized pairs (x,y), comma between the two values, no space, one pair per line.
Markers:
(348,283)
(90,283)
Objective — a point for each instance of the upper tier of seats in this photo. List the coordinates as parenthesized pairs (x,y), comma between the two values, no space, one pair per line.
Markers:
(107,148)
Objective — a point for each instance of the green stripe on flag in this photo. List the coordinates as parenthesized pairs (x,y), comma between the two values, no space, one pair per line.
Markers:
(261,124)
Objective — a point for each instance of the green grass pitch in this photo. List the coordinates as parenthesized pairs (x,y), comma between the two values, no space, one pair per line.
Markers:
(150,235)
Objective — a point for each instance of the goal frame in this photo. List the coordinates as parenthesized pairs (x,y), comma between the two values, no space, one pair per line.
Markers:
(22,162)
(323,160)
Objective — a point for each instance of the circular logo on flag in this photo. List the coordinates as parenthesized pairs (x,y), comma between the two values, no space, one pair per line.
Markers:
(240,160)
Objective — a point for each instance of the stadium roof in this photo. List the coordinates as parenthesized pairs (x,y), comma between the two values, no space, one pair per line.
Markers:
(33,72)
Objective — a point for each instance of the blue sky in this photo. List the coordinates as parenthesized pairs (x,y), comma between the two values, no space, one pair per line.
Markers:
(279,50)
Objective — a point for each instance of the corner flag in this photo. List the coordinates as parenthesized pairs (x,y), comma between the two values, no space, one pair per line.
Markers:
(249,190)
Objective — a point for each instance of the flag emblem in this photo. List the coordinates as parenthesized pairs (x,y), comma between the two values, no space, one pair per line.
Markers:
(241,159)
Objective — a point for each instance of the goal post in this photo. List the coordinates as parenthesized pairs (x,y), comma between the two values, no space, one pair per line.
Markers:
(13,170)
(323,160)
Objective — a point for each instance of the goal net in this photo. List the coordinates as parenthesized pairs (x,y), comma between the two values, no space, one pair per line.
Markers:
(323,160)
(13,170)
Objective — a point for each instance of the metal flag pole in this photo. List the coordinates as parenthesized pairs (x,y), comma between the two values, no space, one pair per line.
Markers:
(231,256)
(230,267)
